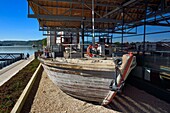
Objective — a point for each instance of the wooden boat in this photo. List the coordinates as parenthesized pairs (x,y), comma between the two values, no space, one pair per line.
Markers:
(84,79)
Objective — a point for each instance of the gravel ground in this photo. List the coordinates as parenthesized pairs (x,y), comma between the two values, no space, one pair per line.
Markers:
(50,99)
(134,100)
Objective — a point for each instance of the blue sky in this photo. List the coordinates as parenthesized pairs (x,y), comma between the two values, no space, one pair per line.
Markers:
(14,22)
(151,38)
(16,26)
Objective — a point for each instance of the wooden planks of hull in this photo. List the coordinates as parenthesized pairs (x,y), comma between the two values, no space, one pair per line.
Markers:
(90,88)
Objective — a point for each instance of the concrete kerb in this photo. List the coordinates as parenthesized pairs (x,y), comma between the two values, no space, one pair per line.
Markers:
(20,102)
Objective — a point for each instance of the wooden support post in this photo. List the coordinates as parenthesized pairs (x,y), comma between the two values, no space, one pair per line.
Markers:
(144,39)
(82,27)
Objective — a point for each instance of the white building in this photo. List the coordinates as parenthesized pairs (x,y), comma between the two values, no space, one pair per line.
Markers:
(66,37)
(51,39)
(149,46)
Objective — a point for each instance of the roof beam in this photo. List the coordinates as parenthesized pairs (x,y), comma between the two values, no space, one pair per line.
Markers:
(68,18)
(150,22)
(157,13)
(118,8)
(151,33)
(63,36)
(42,8)
(158,24)
(79,2)
(86,30)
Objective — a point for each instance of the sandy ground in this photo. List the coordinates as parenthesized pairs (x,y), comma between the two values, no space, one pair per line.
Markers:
(50,99)
(134,100)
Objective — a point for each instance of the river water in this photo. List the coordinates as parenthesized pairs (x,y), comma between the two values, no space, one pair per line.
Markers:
(19,49)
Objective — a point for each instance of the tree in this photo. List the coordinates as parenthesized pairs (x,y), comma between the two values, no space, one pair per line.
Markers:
(44,42)
(117,43)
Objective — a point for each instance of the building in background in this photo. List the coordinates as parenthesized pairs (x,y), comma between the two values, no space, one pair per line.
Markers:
(51,39)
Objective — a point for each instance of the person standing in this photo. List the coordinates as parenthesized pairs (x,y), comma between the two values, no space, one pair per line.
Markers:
(28,55)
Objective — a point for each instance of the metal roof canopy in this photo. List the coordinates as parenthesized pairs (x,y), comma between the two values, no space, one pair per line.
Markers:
(110,15)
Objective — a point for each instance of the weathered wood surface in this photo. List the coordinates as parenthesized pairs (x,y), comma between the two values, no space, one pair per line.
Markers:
(84,79)
(84,64)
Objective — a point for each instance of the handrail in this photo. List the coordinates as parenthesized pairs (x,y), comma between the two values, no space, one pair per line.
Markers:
(74,44)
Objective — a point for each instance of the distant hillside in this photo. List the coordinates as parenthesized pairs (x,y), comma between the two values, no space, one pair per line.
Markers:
(31,42)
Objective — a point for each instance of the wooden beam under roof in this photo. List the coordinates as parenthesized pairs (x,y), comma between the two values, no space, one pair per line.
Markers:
(134,12)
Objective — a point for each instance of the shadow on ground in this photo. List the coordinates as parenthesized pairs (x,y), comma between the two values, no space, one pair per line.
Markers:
(134,100)
(29,101)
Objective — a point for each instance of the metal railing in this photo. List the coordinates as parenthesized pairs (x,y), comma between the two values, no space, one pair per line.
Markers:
(9,58)
(79,48)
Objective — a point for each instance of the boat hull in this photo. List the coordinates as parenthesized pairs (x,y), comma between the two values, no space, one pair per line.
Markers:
(90,87)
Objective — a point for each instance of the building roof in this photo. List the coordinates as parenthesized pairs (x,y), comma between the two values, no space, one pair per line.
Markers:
(109,14)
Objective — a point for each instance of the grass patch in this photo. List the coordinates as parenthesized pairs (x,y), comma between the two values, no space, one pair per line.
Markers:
(12,89)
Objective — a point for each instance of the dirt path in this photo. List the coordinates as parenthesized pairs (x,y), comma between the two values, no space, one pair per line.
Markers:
(50,99)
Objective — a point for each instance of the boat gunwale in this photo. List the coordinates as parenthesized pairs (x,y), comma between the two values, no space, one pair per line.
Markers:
(102,67)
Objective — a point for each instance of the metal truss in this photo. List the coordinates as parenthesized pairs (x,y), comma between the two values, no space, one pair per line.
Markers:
(71,18)
(105,20)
